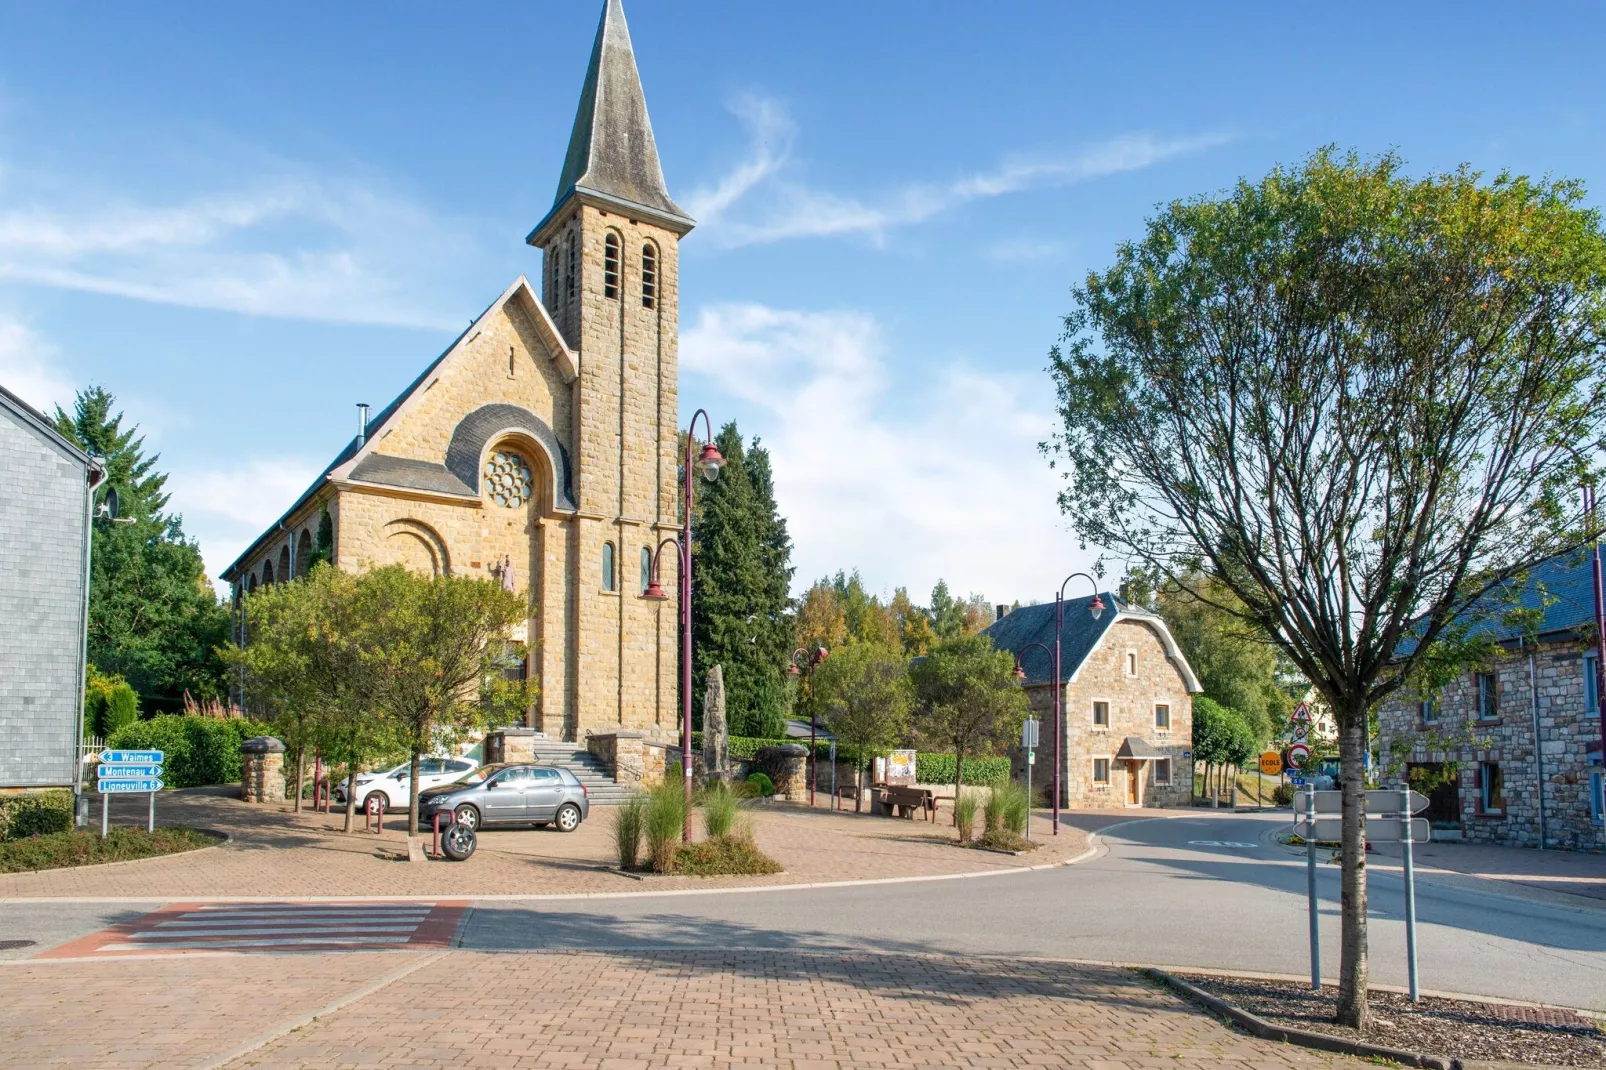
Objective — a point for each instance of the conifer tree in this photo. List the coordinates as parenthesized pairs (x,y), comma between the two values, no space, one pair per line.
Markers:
(153,616)
(740,606)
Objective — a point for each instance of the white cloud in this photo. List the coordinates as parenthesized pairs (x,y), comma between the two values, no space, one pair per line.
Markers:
(286,245)
(225,508)
(944,482)
(28,368)
(1017,250)
(755,203)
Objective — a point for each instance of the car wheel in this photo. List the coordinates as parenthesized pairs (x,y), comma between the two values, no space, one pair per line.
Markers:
(467,816)
(568,818)
(368,802)
(458,842)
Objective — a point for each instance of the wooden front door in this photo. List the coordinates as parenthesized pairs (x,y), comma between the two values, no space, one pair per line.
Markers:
(1134,783)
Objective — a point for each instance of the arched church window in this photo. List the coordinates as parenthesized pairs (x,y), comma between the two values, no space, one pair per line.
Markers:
(649,276)
(267,573)
(303,552)
(609,582)
(610,266)
(508,479)
(251,584)
(646,568)
(283,572)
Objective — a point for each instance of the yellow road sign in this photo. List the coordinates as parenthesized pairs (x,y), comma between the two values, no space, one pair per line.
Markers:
(1271,763)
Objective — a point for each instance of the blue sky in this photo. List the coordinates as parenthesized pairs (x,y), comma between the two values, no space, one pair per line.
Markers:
(242,220)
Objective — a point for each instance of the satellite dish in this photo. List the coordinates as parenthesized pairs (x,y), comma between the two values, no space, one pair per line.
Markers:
(109,504)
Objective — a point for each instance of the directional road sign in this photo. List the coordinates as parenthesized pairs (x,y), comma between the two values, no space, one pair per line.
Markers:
(117,787)
(1029,732)
(136,757)
(1377,802)
(128,772)
(1378,829)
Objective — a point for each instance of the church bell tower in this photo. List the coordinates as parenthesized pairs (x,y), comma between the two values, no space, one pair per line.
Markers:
(610,279)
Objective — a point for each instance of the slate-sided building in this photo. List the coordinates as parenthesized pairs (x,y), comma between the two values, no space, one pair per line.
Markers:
(46,490)
(1128,701)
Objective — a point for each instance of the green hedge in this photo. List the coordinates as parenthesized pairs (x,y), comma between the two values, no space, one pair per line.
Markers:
(36,813)
(929,768)
(197,750)
(939,769)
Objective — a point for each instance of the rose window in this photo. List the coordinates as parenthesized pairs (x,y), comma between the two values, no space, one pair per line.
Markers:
(508,479)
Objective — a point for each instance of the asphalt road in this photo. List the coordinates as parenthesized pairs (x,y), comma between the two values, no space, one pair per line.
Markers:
(1210,891)
(1204,891)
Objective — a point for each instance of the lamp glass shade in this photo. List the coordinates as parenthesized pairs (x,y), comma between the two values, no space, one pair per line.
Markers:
(1020,673)
(1097,608)
(710,462)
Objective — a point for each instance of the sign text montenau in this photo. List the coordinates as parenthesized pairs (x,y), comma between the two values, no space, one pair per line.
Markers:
(128,772)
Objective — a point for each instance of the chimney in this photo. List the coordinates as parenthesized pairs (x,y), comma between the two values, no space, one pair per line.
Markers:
(1002,609)
(362,423)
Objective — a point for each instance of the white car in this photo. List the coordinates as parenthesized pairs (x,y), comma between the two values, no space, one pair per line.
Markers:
(392,783)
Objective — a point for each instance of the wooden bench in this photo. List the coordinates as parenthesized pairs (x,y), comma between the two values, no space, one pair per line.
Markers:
(903,802)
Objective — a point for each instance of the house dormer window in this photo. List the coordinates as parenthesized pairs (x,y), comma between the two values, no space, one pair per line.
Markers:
(649,276)
(610,267)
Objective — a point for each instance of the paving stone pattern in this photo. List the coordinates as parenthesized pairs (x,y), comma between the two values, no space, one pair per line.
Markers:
(615,1010)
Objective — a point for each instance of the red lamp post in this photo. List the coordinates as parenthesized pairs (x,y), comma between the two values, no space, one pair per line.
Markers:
(1096,608)
(813,660)
(708,462)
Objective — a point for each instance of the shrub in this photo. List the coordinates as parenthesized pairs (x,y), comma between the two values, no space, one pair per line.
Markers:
(197,750)
(762,784)
(121,709)
(939,769)
(1014,807)
(965,807)
(721,806)
(1283,795)
(37,813)
(732,855)
(665,819)
(628,820)
(80,847)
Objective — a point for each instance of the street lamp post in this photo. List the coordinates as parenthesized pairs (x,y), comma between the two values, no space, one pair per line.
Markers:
(709,462)
(1096,608)
(813,660)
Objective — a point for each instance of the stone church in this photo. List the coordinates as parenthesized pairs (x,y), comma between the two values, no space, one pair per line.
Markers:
(540,447)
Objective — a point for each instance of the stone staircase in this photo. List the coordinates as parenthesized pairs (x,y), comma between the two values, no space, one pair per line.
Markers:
(601,788)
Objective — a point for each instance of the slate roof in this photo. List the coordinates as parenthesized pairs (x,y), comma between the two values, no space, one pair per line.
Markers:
(1562,588)
(611,148)
(1035,624)
(406,472)
(1138,747)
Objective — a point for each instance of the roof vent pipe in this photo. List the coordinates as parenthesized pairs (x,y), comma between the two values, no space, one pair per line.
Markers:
(362,423)
(1002,609)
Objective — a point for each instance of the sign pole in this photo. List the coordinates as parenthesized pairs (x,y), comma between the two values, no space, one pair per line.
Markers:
(1410,894)
(150,816)
(1310,881)
(105,815)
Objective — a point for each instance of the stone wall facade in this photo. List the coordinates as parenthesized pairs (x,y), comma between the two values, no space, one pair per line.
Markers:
(602,657)
(1537,736)
(1131,674)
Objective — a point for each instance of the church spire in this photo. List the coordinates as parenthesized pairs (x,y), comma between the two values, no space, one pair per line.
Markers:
(611,150)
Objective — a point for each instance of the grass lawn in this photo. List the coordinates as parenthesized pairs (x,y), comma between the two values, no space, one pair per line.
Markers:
(82,847)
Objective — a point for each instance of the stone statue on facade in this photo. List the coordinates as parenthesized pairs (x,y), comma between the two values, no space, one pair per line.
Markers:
(503,571)
(716,753)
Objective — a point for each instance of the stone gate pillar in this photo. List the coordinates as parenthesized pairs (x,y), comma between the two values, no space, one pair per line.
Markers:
(262,770)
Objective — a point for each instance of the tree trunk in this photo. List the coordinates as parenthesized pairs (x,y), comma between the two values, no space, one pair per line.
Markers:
(959,780)
(351,783)
(301,769)
(1352,968)
(858,778)
(412,792)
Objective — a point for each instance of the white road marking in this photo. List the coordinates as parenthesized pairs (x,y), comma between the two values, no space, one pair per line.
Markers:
(277,930)
(300,941)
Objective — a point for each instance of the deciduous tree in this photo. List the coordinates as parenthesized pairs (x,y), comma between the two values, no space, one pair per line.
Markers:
(1360,400)
(968,698)
(863,692)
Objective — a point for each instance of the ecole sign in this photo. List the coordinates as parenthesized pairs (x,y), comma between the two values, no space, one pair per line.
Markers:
(1271,763)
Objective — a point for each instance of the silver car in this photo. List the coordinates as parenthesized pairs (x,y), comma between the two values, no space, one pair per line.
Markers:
(510,794)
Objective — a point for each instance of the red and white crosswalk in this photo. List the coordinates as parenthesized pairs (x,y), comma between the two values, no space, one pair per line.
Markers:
(275,926)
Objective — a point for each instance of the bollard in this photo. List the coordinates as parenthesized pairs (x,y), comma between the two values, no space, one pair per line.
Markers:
(375,811)
(450,817)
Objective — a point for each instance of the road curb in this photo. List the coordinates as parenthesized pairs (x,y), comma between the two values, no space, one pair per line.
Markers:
(1259,1027)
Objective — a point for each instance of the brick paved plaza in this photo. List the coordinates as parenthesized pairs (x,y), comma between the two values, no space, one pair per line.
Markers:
(606,1010)
(311,857)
